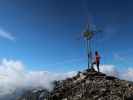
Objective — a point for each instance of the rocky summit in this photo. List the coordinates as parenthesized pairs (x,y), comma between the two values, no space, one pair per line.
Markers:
(86,85)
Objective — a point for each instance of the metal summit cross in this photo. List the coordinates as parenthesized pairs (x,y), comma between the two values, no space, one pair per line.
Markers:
(88,35)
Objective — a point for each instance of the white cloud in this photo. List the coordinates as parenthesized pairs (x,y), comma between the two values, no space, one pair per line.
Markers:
(13,75)
(128,74)
(6,35)
(112,71)
(108,69)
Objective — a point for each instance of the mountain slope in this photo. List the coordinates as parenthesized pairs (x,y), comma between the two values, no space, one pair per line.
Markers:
(87,85)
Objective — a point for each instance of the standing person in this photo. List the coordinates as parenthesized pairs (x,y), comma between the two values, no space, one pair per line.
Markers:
(97,60)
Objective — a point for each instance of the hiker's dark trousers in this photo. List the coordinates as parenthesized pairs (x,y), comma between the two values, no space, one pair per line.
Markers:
(97,64)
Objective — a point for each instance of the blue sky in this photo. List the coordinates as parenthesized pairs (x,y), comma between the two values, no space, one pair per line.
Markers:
(44,34)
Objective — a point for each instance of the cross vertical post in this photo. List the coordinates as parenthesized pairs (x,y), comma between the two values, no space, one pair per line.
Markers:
(88,36)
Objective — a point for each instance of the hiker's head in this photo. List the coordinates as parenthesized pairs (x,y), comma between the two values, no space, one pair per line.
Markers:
(96,52)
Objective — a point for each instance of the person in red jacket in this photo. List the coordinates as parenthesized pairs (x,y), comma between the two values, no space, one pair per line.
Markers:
(97,60)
